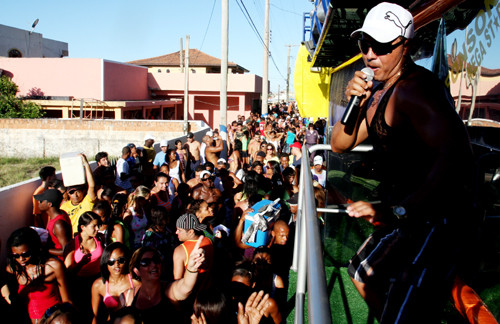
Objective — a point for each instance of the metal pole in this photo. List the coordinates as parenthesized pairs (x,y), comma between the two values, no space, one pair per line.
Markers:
(265,86)
(223,69)
(186,87)
(317,302)
(300,291)
(81,108)
(181,57)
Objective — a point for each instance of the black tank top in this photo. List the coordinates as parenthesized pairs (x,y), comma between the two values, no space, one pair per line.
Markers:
(403,160)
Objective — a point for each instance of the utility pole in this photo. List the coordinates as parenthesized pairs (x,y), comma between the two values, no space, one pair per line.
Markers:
(223,69)
(288,73)
(186,87)
(265,86)
(279,93)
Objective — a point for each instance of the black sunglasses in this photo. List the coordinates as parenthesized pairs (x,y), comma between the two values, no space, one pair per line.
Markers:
(72,191)
(120,260)
(209,178)
(25,255)
(147,261)
(378,48)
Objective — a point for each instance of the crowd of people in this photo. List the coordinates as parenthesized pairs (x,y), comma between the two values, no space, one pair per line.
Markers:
(157,236)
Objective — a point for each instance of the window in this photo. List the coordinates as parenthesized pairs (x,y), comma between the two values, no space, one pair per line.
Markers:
(15,53)
(159,70)
(193,71)
(168,71)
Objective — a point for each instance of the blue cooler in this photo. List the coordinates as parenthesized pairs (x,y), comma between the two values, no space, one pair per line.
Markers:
(262,238)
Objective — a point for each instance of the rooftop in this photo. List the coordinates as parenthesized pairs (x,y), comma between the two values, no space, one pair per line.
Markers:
(196,59)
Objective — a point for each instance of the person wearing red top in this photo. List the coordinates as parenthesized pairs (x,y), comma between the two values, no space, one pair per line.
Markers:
(59,224)
(41,279)
(188,231)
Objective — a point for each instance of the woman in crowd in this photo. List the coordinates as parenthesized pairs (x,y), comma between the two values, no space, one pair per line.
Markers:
(204,212)
(288,178)
(41,279)
(273,173)
(116,231)
(274,139)
(181,152)
(173,183)
(103,210)
(160,237)
(271,153)
(155,299)
(235,160)
(135,215)
(85,250)
(116,288)
(160,195)
(83,260)
(176,169)
(263,276)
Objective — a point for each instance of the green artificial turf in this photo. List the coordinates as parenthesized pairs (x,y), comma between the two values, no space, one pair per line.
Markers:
(346,305)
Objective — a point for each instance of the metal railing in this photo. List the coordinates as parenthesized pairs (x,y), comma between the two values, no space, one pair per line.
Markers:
(308,255)
(88,108)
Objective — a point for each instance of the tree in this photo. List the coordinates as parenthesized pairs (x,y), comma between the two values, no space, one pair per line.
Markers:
(12,107)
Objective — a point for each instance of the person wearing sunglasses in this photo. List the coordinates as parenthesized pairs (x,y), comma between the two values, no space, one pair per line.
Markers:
(41,279)
(116,287)
(271,154)
(425,164)
(207,190)
(156,299)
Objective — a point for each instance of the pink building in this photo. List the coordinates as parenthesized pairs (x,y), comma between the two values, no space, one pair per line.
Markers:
(98,88)
(166,79)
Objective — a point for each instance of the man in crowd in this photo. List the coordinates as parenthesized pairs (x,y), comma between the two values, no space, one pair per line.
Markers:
(188,231)
(47,175)
(123,170)
(207,190)
(80,201)
(160,157)
(59,224)
(101,158)
(148,156)
(405,269)
(212,152)
(194,151)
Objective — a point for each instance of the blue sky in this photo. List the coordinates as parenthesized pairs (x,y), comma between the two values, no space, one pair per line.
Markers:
(128,30)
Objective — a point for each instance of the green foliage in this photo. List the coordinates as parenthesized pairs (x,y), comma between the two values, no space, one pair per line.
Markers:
(12,107)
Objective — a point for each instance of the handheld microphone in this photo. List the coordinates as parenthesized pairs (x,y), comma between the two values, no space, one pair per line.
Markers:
(352,110)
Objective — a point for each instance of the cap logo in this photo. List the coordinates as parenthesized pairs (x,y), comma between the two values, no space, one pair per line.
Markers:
(391,16)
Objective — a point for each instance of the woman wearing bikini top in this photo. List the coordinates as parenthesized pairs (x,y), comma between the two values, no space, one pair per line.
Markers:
(41,279)
(115,288)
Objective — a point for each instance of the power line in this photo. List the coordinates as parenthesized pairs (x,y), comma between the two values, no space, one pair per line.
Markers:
(254,28)
(206,31)
(294,13)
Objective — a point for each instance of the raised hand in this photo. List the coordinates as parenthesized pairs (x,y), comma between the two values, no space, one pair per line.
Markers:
(197,256)
(255,308)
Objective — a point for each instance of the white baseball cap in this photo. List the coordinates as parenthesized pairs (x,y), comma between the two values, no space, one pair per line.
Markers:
(209,133)
(203,173)
(318,159)
(387,21)
(149,137)
(164,143)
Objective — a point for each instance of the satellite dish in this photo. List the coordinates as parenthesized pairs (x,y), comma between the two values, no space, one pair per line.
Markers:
(35,23)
